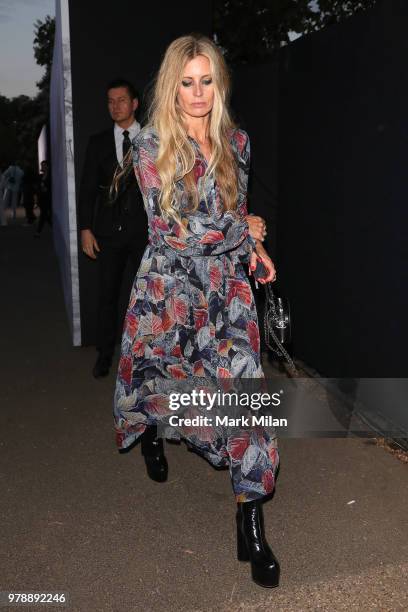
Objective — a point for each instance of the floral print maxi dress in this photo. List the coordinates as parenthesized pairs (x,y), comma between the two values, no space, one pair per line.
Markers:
(192,314)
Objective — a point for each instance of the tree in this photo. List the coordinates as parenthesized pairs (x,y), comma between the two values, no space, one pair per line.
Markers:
(8,138)
(43,48)
(21,120)
(22,117)
(270,24)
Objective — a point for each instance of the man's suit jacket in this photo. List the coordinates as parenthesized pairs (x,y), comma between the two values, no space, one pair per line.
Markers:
(96,210)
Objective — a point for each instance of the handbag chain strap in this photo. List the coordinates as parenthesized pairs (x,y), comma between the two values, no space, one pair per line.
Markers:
(271,316)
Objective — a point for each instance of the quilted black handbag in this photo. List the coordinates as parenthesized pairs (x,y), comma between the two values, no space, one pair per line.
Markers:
(277,324)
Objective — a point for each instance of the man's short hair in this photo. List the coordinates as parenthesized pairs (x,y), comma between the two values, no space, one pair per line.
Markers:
(123,83)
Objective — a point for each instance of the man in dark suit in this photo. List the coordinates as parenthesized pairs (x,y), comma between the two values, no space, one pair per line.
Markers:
(113,223)
(114,229)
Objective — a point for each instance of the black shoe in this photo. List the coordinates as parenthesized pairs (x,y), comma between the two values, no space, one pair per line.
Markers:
(101,367)
(153,452)
(252,545)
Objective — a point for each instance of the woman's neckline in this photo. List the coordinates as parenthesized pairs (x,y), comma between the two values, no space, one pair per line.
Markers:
(199,148)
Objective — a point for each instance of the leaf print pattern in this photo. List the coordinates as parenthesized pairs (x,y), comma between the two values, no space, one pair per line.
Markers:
(192,314)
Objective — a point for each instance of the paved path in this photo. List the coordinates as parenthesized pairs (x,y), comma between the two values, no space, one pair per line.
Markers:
(79,516)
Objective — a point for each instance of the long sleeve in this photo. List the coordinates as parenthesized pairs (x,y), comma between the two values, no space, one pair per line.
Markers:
(241,145)
(206,234)
(88,188)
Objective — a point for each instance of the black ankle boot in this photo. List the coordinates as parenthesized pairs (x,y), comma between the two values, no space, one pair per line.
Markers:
(252,545)
(153,452)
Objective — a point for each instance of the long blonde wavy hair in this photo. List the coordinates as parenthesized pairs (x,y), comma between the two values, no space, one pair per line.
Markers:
(176,155)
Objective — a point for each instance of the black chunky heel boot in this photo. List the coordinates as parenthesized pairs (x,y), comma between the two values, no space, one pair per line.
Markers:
(153,452)
(252,545)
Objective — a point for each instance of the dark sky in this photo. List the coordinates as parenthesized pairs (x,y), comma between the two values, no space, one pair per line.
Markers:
(18,70)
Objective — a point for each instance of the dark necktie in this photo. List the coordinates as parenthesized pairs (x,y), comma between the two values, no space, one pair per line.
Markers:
(126,143)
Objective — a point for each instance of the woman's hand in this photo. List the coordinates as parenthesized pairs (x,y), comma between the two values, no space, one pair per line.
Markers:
(261,254)
(257,227)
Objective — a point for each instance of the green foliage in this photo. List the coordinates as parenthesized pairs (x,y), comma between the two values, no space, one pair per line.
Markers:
(21,120)
(254,30)
(8,139)
(44,32)
(44,41)
(22,117)
(333,11)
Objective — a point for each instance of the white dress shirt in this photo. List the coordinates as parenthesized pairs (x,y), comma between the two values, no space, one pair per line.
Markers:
(133,130)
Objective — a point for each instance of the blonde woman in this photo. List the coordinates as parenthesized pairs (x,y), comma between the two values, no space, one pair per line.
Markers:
(191,311)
